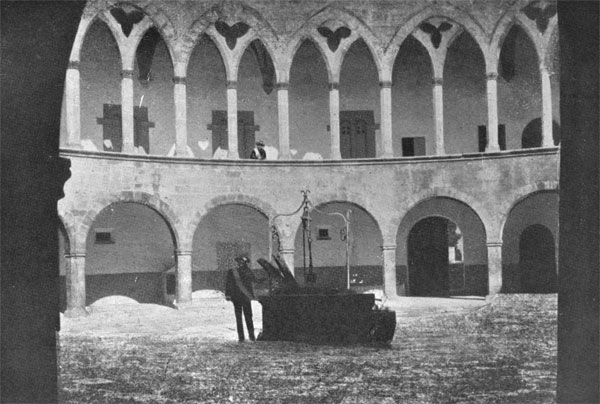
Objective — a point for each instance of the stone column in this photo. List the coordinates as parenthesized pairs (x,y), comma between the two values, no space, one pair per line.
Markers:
(232,120)
(184,278)
(288,256)
(547,140)
(494,267)
(75,278)
(438,115)
(283,108)
(389,270)
(73,105)
(492,104)
(179,92)
(334,119)
(127,110)
(385,96)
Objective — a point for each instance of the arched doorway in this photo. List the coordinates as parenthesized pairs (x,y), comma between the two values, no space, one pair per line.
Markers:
(537,260)
(428,256)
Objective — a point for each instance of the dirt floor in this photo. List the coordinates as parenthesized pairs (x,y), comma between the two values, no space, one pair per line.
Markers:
(457,350)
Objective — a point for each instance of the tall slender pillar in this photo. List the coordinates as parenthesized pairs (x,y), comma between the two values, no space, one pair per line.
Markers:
(389,270)
(494,249)
(75,279)
(334,118)
(179,92)
(73,105)
(492,104)
(385,95)
(184,278)
(283,109)
(232,120)
(438,115)
(288,256)
(547,140)
(127,110)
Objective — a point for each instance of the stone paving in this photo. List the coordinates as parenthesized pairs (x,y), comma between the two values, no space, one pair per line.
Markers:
(444,351)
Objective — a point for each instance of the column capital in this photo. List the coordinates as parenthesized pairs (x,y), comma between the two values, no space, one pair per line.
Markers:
(231,85)
(385,84)
(181,253)
(388,247)
(494,244)
(437,81)
(73,64)
(282,86)
(334,86)
(179,80)
(126,74)
(491,76)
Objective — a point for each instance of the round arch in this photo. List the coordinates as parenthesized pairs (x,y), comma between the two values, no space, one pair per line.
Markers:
(469,275)
(327,250)
(240,199)
(529,243)
(227,230)
(151,201)
(521,194)
(130,246)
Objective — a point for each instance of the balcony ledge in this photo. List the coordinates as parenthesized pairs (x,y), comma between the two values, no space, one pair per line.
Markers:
(65,152)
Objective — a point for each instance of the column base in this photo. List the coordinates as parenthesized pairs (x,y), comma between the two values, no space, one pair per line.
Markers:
(182,305)
(491,298)
(76,312)
(73,146)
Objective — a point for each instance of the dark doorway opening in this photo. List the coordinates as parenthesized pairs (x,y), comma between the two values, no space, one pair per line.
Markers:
(246,132)
(537,260)
(357,134)
(112,130)
(428,258)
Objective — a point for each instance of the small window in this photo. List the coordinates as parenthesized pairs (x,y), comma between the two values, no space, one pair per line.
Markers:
(323,234)
(104,237)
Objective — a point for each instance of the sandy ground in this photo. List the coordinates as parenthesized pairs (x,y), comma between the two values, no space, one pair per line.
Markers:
(210,316)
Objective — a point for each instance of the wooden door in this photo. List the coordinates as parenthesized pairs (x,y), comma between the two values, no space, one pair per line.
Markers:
(112,127)
(357,134)
(246,132)
(428,258)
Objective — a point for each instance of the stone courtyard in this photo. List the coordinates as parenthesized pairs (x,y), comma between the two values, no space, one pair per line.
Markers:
(462,350)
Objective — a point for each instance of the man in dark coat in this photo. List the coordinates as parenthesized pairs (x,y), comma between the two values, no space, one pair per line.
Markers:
(259,153)
(239,290)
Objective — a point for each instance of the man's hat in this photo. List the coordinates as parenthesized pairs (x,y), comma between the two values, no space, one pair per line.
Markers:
(260,143)
(242,258)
